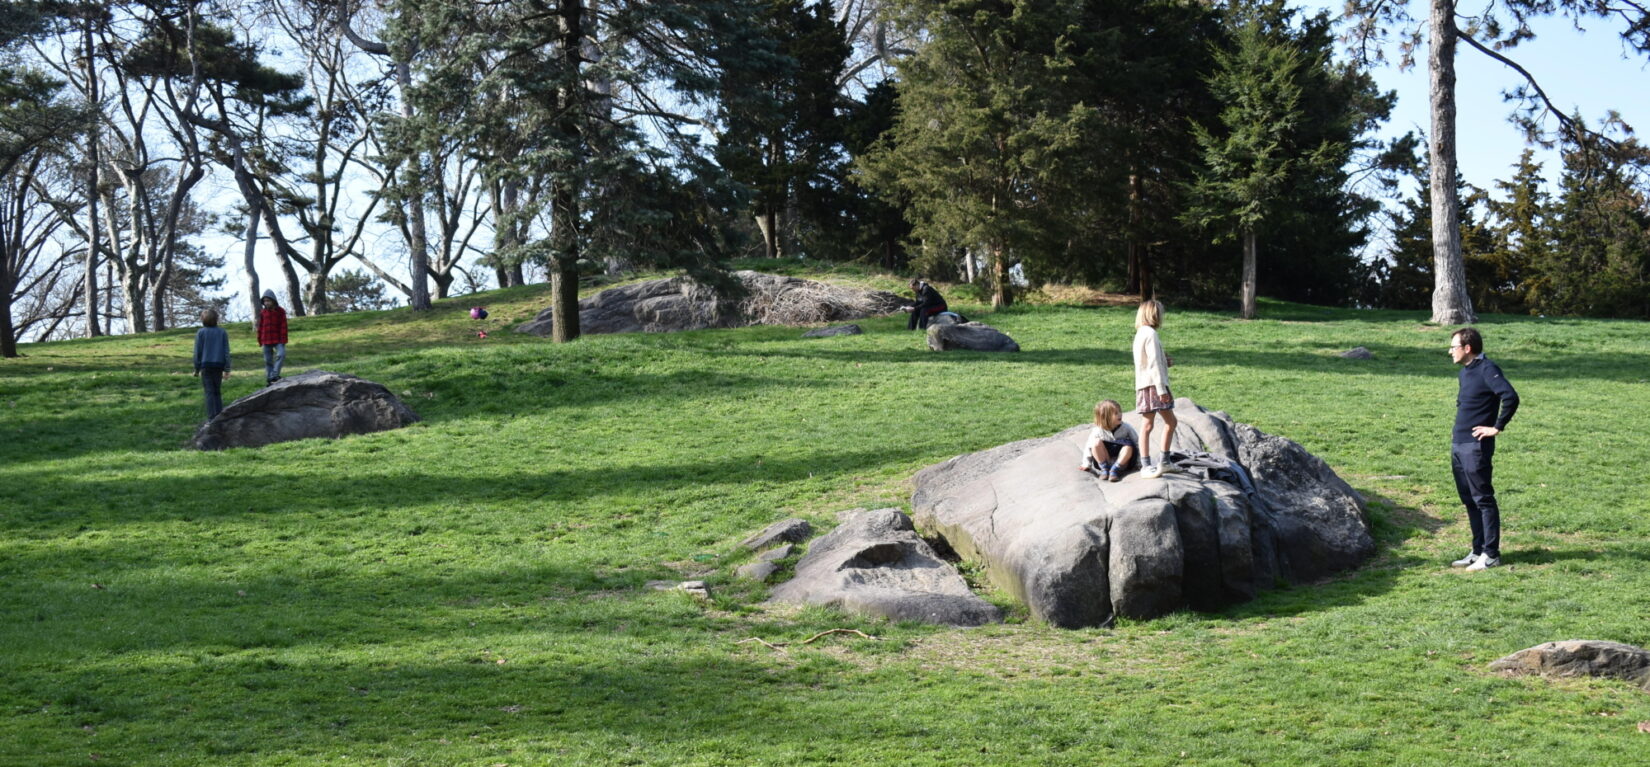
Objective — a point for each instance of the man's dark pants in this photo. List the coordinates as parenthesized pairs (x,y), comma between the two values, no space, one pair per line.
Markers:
(212,383)
(1473,482)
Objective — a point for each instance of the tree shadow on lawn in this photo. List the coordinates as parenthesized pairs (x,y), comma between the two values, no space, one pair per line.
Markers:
(653,708)
(355,653)
(1073,357)
(149,498)
(458,392)
(1546,555)
(1621,367)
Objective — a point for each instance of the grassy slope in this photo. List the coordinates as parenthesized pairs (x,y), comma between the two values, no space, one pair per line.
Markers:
(470,590)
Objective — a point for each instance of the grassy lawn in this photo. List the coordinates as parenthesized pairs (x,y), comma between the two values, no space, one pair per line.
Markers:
(471,590)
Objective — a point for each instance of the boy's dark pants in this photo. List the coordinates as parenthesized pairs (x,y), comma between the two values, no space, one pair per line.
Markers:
(212,383)
(1473,482)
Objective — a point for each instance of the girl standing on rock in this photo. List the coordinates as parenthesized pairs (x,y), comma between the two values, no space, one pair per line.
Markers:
(1151,385)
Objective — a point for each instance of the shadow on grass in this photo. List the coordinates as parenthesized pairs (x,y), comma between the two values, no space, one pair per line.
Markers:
(1408,361)
(469,389)
(150,498)
(1547,556)
(924,355)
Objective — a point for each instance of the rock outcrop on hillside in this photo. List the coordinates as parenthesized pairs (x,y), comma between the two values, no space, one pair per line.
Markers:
(318,403)
(680,303)
(875,564)
(1080,551)
(1581,657)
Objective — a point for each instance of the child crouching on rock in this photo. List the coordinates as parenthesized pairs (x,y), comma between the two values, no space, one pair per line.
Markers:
(1111,447)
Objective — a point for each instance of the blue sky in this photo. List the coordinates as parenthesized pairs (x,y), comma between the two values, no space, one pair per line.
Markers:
(1585,71)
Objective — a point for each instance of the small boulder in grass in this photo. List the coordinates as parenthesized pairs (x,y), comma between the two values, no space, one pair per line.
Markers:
(1580,657)
(970,336)
(791,530)
(839,330)
(1357,353)
(758,571)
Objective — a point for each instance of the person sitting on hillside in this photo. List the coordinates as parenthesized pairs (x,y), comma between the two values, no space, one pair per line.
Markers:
(929,303)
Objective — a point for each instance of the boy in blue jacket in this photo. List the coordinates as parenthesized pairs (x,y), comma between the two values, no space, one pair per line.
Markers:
(212,361)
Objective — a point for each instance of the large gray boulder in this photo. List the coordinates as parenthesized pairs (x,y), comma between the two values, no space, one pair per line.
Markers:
(318,403)
(681,303)
(1581,657)
(1079,551)
(875,564)
(970,336)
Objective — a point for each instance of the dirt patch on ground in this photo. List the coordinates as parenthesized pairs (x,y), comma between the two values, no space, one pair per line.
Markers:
(1077,295)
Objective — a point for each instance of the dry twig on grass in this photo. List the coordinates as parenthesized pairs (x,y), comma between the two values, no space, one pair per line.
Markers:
(780,646)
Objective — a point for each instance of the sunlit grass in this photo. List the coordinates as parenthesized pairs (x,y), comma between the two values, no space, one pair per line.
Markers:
(470,590)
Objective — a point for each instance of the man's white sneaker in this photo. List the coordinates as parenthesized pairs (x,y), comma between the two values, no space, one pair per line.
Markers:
(1153,471)
(1484,562)
(1465,561)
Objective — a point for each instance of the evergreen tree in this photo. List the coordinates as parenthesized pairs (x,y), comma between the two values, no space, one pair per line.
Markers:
(779,105)
(991,130)
(1256,152)
(1600,261)
(354,290)
(1501,278)
(871,227)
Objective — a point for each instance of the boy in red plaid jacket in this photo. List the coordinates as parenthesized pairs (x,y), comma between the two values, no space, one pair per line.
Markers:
(272,336)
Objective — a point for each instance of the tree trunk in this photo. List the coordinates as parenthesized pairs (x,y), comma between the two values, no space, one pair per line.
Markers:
(564,198)
(1450,303)
(1248,274)
(109,296)
(1002,294)
(131,294)
(315,291)
(418,241)
(969,274)
(254,291)
(766,221)
(294,289)
(8,333)
(94,160)
(1135,283)
(94,235)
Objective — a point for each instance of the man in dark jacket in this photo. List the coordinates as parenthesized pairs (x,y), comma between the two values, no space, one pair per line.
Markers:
(1482,409)
(929,303)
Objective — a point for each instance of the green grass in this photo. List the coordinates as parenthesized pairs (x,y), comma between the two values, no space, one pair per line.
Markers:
(470,590)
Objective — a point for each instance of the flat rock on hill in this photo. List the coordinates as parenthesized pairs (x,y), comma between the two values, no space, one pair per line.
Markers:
(875,564)
(1079,551)
(318,403)
(680,303)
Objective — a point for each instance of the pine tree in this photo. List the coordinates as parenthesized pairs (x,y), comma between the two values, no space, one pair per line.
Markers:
(991,130)
(1502,277)
(779,105)
(1600,262)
